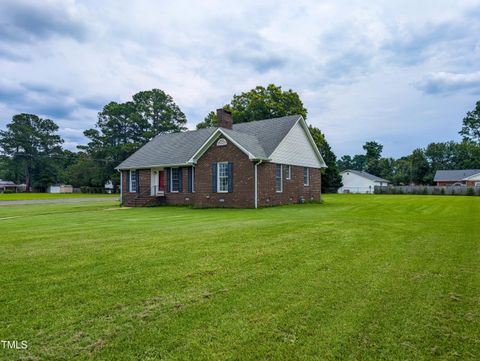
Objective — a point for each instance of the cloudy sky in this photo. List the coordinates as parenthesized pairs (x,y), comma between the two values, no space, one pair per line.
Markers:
(402,73)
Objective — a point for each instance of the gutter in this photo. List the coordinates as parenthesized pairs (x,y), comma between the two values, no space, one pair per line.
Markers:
(256,181)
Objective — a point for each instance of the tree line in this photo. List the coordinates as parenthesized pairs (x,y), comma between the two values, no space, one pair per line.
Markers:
(420,166)
(32,151)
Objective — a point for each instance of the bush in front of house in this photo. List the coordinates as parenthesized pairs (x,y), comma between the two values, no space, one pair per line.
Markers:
(442,191)
(470,192)
(7,191)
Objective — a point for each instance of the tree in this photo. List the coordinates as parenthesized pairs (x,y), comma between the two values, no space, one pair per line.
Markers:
(30,142)
(261,103)
(373,150)
(331,178)
(209,121)
(122,128)
(471,125)
(344,163)
(419,167)
(158,109)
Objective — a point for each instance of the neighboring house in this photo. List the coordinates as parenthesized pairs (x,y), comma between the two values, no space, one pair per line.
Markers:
(260,163)
(355,181)
(60,188)
(9,185)
(457,177)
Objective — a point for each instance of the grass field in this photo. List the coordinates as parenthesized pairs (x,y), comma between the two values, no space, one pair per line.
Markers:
(34,196)
(355,278)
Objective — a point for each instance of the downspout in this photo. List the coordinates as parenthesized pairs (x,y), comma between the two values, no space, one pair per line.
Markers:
(256,181)
(121,187)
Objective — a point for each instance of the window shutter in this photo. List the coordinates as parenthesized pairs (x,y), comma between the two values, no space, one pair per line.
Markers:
(127,181)
(167,179)
(138,181)
(190,180)
(180,183)
(214,177)
(230,177)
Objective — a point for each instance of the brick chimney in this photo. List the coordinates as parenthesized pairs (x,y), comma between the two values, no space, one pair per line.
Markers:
(224,118)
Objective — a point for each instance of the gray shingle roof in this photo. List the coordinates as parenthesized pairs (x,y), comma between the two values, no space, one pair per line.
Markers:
(454,174)
(367,175)
(260,138)
(168,149)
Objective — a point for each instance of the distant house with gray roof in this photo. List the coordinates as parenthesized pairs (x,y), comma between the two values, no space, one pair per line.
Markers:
(457,177)
(355,181)
(260,163)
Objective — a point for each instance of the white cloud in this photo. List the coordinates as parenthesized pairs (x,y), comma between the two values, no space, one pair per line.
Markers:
(356,66)
(444,83)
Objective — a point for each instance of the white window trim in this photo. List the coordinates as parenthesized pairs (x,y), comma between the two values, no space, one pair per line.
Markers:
(289,172)
(171,180)
(308,177)
(130,183)
(281,178)
(218,177)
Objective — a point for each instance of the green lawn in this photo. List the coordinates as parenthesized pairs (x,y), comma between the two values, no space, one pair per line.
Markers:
(31,196)
(355,278)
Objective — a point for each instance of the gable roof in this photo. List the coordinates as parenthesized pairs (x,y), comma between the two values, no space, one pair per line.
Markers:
(366,175)
(258,139)
(475,176)
(454,174)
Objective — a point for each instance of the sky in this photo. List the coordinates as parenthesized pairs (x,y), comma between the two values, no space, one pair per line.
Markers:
(402,73)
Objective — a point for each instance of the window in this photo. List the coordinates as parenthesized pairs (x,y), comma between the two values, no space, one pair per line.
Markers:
(133,181)
(175,179)
(306,176)
(222,177)
(278,178)
(289,172)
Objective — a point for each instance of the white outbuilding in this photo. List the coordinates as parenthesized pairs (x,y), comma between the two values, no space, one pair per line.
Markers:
(355,181)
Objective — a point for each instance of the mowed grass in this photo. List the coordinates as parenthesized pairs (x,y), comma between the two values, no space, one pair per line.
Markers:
(355,278)
(34,196)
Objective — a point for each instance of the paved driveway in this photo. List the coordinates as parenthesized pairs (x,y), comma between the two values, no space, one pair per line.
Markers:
(59,200)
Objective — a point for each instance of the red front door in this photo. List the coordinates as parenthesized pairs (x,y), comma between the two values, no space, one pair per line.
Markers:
(161,180)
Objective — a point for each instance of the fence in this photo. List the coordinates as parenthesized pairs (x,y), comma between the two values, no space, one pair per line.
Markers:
(429,190)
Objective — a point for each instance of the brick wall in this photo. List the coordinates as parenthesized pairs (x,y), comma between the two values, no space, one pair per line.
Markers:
(184,197)
(141,198)
(293,189)
(448,183)
(243,178)
(243,183)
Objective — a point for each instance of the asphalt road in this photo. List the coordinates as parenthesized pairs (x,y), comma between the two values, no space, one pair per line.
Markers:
(60,200)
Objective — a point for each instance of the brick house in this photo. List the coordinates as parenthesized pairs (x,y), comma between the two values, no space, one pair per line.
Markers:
(267,162)
(458,177)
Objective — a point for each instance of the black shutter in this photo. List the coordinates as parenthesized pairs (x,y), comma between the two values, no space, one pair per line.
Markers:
(138,181)
(167,179)
(180,172)
(190,180)
(214,177)
(230,177)
(127,181)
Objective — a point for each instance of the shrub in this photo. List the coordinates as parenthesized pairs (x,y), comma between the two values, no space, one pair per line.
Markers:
(470,192)
(442,191)
(425,190)
(7,191)
(84,189)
